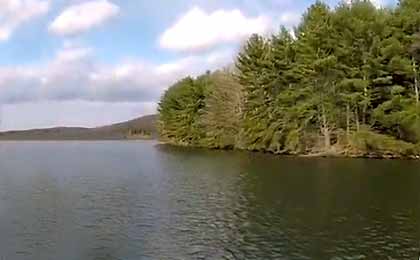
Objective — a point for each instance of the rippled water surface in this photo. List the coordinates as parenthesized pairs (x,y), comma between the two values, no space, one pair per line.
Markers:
(139,200)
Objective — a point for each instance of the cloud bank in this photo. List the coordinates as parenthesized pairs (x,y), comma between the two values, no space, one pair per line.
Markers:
(74,74)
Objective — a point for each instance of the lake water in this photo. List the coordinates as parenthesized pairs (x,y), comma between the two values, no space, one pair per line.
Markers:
(140,200)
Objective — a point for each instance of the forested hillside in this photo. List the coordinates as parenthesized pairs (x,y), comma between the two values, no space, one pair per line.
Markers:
(345,81)
(140,128)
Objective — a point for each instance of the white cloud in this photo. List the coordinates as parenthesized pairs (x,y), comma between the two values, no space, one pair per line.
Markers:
(14,13)
(290,19)
(73,53)
(195,65)
(377,3)
(74,74)
(80,18)
(198,30)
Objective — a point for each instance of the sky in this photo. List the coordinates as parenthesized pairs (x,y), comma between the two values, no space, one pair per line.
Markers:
(95,62)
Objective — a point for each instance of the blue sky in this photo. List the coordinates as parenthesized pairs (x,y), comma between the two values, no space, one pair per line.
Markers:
(94,62)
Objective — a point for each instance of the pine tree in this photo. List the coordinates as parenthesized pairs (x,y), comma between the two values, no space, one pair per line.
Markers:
(316,55)
(350,73)
(223,110)
(180,110)
(254,66)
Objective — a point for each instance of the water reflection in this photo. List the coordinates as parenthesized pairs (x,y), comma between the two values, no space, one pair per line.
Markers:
(136,200)
(319,209)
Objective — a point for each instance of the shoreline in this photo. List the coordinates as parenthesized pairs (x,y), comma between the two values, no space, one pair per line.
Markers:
(327,154)
(74,140)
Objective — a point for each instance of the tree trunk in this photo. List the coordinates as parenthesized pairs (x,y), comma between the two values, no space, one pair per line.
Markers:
(365,93)
(348,121)
(364,115)
(364,109)
(357,119)
(416,82)
(327,139)
(326,130)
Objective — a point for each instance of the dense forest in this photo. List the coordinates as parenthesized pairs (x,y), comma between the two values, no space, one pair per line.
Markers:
(344,81)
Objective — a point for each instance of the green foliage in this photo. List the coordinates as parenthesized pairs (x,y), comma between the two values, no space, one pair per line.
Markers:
(205,111)
(180,110)
(343,71)
(222,113)
(366,141)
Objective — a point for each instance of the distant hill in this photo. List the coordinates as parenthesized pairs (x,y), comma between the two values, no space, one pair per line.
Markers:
(117,131)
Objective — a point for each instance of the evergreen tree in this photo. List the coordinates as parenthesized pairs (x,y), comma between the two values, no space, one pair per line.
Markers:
(223,111)
(180,110)
(254,67)
(346,81)
(316,55)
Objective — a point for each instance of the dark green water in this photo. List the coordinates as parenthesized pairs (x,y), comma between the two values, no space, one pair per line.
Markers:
(136,200)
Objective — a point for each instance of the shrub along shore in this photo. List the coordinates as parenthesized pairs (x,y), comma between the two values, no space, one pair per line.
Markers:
(344,82)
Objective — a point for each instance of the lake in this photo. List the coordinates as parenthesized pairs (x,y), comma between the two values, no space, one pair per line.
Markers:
(139,200)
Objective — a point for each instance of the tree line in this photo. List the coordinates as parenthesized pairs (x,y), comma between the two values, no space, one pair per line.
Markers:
(345,80)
